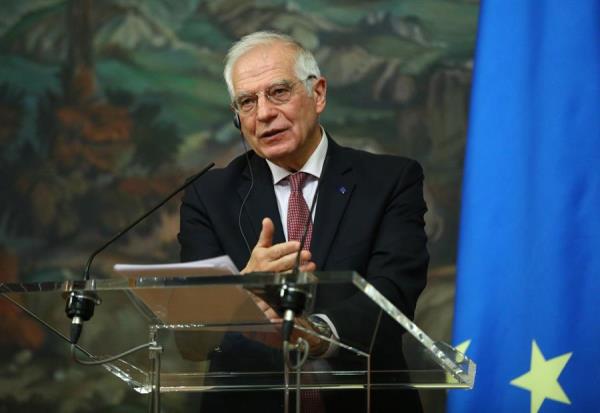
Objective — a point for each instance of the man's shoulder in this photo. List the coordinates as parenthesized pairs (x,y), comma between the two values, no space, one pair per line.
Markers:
(366,161)
(367,156)
(225,177)
(236,167)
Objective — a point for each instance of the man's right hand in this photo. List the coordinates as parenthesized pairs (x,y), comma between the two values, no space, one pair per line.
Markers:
(267,257)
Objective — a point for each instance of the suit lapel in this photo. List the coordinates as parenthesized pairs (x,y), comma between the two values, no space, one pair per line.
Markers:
(337,185)
(261,202)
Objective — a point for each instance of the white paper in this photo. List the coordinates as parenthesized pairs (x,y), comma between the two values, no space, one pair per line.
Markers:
(209,305)
(221,265)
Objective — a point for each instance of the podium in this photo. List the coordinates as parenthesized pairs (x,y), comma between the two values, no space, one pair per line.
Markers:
(207,334)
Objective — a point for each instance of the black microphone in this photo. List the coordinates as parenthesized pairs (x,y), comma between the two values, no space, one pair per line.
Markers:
(80,304)
(293,299)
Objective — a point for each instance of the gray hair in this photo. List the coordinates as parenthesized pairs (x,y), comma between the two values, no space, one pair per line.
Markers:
(305,66)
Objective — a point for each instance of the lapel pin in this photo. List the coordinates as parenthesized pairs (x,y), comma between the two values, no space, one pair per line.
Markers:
(342,190)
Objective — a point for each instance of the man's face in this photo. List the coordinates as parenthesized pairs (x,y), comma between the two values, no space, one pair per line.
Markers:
(287,133)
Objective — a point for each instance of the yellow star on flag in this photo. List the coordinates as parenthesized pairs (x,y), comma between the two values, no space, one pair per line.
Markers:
(461,348)
(464,346)
(542,378)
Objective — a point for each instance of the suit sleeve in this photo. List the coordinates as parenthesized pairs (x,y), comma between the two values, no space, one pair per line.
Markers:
(198,241)
(396,267)
(399,257)
(197,236)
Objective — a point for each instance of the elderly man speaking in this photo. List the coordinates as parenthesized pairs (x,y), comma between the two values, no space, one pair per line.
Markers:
(368,216)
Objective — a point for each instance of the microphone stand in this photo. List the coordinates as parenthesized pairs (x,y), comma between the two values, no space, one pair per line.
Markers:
(80,307)
(80,304)
(293,301)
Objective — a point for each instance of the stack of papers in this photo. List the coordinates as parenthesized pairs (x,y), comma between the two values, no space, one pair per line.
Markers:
(215,306)
(212,266)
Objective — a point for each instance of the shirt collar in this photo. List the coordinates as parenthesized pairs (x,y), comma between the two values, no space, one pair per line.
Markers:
(313,166)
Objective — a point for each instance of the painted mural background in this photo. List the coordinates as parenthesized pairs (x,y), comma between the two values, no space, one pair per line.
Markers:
(106,106)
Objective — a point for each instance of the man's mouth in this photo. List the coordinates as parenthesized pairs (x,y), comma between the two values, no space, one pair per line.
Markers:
(271,132)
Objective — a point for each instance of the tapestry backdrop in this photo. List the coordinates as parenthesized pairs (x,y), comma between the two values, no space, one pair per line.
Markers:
(106,106)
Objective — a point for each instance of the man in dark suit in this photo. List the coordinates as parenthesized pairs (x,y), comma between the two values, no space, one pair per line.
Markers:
(369,208)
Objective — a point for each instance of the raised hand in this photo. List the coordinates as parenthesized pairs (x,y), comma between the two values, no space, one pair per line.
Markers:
(267,257)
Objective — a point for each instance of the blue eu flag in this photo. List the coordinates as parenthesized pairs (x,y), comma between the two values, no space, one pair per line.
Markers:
(528,293)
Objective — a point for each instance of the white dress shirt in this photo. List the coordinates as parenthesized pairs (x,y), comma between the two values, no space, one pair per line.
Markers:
(313,167)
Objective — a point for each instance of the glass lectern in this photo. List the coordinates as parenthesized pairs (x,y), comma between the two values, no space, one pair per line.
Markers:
(207,334)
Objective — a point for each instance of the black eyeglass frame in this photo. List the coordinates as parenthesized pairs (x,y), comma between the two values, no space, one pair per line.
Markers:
(269,94)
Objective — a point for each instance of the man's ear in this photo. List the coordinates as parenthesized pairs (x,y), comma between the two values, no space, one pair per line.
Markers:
(320,94)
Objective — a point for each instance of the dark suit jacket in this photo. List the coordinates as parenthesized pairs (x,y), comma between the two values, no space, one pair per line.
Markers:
(369,218)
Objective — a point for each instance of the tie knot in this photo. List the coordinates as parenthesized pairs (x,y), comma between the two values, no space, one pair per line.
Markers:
(297,181)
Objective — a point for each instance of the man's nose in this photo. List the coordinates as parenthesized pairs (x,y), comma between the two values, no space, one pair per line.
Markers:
(265,109)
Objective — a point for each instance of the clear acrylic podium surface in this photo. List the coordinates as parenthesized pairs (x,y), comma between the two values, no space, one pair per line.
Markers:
(215,338)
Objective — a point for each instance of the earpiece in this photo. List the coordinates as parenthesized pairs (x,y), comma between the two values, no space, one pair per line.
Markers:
(236,121)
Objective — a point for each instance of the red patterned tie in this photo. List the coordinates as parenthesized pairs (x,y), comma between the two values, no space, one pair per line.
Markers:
(297,216)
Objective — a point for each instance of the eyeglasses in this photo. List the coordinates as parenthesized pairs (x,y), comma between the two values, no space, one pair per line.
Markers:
(278,94)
